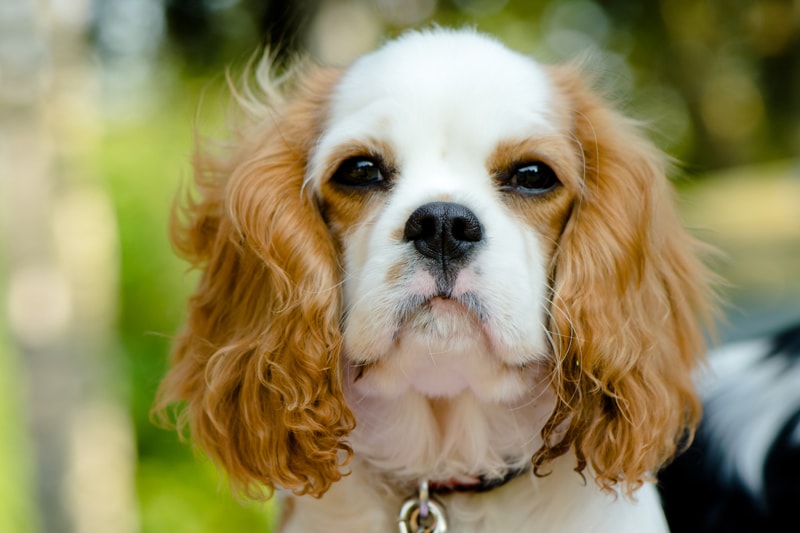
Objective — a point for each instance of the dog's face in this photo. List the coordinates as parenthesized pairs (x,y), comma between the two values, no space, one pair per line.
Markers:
(447,201)
(445,219)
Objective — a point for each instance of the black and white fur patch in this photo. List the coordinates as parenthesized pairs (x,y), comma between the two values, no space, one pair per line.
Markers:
(742,473)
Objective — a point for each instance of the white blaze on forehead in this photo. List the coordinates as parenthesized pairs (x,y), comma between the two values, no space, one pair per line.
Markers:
(437,91)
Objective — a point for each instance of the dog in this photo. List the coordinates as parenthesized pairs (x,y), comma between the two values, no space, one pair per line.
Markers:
(742,472)
(445,288)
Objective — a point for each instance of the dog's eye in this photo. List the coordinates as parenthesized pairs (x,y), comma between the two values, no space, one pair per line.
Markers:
(359,172)
(532,178)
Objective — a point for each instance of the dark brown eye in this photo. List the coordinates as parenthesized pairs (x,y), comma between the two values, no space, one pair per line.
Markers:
(360,172)
(531,178)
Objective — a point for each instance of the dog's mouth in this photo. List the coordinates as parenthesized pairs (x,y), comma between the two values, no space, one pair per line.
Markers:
(442,345)
(441,341)
(422,311)
(466,303)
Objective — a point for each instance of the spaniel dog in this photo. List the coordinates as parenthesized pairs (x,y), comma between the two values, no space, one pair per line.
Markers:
(445,287)
(742,472)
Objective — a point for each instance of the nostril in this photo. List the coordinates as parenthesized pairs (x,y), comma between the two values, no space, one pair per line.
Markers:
(421,225)
(443,230)
(466,228)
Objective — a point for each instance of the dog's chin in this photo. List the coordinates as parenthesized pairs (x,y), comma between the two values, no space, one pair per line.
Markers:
(440,350)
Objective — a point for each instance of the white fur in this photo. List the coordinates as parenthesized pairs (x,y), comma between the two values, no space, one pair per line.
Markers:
(559,503)
(443,395)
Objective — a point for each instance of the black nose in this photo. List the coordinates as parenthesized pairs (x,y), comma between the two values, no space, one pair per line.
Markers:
(443,231)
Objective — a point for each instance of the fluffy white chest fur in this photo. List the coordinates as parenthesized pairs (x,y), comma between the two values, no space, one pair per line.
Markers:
(446,263)
(560,503)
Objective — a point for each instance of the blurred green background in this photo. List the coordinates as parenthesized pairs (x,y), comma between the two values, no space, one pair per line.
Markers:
(98,101)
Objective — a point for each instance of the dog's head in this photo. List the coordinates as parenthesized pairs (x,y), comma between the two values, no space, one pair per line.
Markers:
(444,217)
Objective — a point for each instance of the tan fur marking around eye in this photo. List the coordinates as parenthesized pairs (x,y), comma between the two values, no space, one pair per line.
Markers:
(558,150)
(546,213)
(346,208)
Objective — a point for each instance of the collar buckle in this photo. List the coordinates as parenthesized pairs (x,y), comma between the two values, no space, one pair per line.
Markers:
(422,514)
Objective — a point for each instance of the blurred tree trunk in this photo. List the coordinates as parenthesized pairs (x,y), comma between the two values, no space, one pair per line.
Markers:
(37,294)
(60,241)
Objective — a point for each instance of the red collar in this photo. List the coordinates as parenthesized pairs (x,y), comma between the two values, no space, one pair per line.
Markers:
(474,484)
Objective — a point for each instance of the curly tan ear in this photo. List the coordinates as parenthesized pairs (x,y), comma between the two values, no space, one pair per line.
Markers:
(257,364)
(630,298)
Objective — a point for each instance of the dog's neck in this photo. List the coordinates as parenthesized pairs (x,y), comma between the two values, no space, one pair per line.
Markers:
(478,484)
(457,443)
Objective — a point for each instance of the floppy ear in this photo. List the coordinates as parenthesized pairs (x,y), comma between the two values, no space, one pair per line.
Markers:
(257,365)
(630,299)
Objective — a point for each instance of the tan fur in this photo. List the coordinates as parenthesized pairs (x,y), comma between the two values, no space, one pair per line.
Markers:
(343,208)
(547,213)
(257,363)
(629,300)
